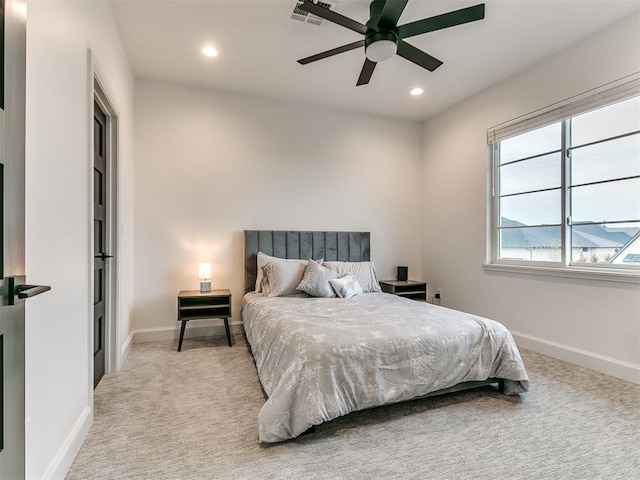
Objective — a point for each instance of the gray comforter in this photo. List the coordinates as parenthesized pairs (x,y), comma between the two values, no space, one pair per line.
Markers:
(320,358)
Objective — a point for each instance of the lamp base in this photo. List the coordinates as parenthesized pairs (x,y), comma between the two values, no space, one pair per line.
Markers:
(205,287)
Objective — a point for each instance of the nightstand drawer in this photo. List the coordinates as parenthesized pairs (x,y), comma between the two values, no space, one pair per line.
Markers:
(193,312)
(412,289)
(199,302)
(421,296)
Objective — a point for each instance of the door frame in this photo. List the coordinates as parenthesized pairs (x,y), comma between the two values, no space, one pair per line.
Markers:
(99,92)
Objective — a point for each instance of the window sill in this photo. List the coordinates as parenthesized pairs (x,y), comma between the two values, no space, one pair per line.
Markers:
(608,275)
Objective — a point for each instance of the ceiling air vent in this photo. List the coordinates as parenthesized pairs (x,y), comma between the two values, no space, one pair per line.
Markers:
(299,14)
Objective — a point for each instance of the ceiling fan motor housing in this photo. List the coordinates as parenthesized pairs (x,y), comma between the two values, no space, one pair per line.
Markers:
(380,41)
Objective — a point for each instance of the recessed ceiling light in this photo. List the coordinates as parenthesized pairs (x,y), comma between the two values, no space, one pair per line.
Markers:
(210,52)
(417,91)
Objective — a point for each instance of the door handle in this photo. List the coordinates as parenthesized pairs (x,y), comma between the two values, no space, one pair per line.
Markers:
(103,256)
(22,291)
(28,291)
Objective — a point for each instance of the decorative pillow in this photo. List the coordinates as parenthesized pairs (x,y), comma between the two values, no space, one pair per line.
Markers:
(346,287)
(315,281)
(263,259)
(282,277)
(364,272)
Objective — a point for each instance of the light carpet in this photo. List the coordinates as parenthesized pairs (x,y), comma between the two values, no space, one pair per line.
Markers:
(192,415)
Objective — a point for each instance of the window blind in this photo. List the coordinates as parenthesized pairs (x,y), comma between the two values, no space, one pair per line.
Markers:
(606,94)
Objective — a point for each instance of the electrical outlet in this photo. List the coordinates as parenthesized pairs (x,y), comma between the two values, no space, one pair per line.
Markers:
(439,294)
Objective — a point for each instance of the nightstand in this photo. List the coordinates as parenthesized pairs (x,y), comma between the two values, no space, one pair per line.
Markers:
(406,288)
(193,305)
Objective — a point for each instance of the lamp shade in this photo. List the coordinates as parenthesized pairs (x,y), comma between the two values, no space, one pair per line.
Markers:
(204,271)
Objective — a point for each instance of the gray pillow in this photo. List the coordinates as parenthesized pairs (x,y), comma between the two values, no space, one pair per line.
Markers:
(363,272)
(282,278)
(315,280)
(263,259)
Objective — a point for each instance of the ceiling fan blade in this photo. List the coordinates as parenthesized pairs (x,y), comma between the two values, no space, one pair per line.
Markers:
(367,71)
(330,53)
(391,13)
(332,16)
(446,20)
(417,56)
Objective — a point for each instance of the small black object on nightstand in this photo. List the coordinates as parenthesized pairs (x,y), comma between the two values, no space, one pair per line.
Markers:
(403,273)
(193,305)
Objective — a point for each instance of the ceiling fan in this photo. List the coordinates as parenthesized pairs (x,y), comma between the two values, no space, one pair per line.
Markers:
(383,37)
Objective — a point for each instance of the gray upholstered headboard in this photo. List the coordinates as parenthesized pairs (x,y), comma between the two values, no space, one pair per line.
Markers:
(342,246)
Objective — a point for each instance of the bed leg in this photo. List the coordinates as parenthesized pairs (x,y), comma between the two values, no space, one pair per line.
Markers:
(309,431)
(501,385)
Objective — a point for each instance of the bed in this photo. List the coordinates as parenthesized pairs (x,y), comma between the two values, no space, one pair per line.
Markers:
(319,358)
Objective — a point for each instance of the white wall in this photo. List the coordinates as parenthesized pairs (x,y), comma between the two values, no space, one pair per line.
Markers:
(594,323)
(210,165)
(59,356)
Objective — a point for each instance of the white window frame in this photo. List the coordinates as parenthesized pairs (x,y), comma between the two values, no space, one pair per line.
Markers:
(613,92)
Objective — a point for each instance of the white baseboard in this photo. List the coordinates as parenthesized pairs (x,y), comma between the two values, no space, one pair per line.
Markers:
(195,328)
(610,366)
(67,452)
(124,351)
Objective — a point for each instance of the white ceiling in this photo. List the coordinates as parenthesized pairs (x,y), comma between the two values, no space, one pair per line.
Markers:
(259,44)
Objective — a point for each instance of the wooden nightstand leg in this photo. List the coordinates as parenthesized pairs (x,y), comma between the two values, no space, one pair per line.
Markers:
(184,324)
(226,327)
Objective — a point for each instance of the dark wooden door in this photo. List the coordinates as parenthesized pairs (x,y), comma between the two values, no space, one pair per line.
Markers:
(100,241)
(12,140)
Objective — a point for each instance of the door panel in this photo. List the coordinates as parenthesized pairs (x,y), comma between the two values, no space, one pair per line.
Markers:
(12,140)
(99,240)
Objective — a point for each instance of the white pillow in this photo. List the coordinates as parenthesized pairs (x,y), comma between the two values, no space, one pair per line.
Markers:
(364,272)
(315,280)
(346,287)
(263,259)
(282,277)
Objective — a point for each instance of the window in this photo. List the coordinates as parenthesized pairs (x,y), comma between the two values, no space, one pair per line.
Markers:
(565,186)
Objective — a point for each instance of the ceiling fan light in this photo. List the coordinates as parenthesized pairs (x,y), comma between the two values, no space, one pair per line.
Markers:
(381,50)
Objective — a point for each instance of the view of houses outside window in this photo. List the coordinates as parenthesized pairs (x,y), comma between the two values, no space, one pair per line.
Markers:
(582,172)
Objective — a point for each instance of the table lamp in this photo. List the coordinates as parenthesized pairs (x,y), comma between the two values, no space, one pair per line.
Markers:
(204,272)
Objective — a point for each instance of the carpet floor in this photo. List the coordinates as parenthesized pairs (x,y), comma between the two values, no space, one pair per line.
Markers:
(192,415)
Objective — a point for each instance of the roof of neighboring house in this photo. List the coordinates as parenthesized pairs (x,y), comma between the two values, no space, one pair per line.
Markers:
(601,236)
(593,240)
(631,258)
(541,237)
(584,236)
(630,253)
